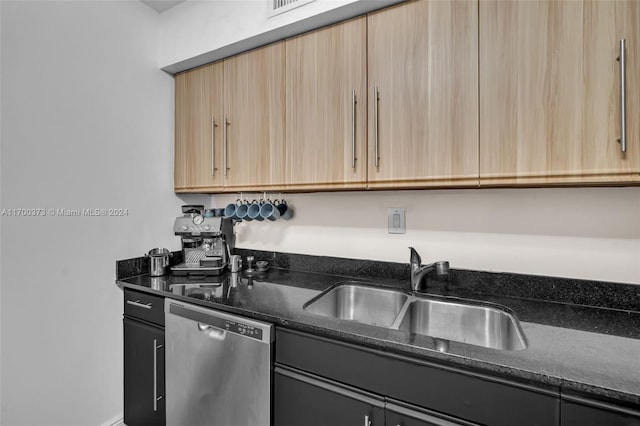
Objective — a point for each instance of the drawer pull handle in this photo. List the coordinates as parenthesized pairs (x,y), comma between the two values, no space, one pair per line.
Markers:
(139,304)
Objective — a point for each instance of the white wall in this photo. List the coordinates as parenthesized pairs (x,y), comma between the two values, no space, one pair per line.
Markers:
(197,32)
(589,233)
(87,122)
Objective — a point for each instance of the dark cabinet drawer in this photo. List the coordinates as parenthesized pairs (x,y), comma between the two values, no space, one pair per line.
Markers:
(476,398)
(304,400)
(401,414)
(472,397)
(342,362)
(144,306)
(577,411)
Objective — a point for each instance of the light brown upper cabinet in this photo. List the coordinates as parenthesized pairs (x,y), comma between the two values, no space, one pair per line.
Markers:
(230,124)
(326,108)
(199,104)
(253,145)
(423,95)
(550,92)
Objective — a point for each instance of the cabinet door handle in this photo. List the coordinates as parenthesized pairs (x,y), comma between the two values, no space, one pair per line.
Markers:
(353,129)
(623,97)
(155,374)
(225,140)
(376,159)
(367,422)
(139,304)
(213,145)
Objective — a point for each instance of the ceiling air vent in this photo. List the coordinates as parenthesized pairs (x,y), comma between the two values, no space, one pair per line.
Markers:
(276,7)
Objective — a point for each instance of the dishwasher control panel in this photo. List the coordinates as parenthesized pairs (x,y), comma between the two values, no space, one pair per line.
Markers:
(243,329)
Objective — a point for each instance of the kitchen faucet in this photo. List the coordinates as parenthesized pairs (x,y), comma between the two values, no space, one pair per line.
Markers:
(419,271)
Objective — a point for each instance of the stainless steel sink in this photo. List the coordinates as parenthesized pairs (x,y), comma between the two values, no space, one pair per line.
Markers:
(490,326)
(360,303)
(486,326)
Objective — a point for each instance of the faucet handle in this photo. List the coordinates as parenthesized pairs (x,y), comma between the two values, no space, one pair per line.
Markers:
(442,268)
(415,258)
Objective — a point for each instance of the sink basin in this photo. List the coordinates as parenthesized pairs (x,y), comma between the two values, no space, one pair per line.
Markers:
(360,303)
(490,326)
(486,326)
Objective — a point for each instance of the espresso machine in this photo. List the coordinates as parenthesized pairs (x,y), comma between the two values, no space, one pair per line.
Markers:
(207,239)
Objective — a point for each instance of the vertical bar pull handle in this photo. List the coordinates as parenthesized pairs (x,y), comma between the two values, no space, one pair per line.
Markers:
(225,142)
(155,375)
(623,97)
(353,129)
(367,422)
(375,126)
(213,145)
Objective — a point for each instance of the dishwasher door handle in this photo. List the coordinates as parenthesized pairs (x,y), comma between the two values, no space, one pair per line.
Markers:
(211,331)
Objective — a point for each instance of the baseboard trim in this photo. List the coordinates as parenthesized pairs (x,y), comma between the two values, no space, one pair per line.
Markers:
(116,421)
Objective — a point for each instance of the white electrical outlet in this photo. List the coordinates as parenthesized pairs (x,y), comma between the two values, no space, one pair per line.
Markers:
(397,221)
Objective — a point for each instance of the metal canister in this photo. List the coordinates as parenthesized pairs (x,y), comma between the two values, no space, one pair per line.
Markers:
(158,261)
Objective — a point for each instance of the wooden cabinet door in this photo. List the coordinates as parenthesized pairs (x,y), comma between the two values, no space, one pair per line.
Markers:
(198,110)
(144,403)
(423,120)
(254,112)
(550,91)
(326,107)
(301,399)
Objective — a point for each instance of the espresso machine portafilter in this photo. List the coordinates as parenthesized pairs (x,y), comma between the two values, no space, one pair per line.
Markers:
(206,242)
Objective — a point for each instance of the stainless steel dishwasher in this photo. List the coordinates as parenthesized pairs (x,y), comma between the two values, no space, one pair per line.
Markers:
(218,368)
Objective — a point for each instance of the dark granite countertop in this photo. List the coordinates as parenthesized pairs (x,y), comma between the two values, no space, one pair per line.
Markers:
(572,348)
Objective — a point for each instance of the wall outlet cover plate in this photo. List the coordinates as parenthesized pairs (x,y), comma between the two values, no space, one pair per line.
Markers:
(397,221)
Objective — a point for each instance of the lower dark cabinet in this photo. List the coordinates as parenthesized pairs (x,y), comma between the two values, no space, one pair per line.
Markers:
(144,403)
(301,399)
(455,394)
